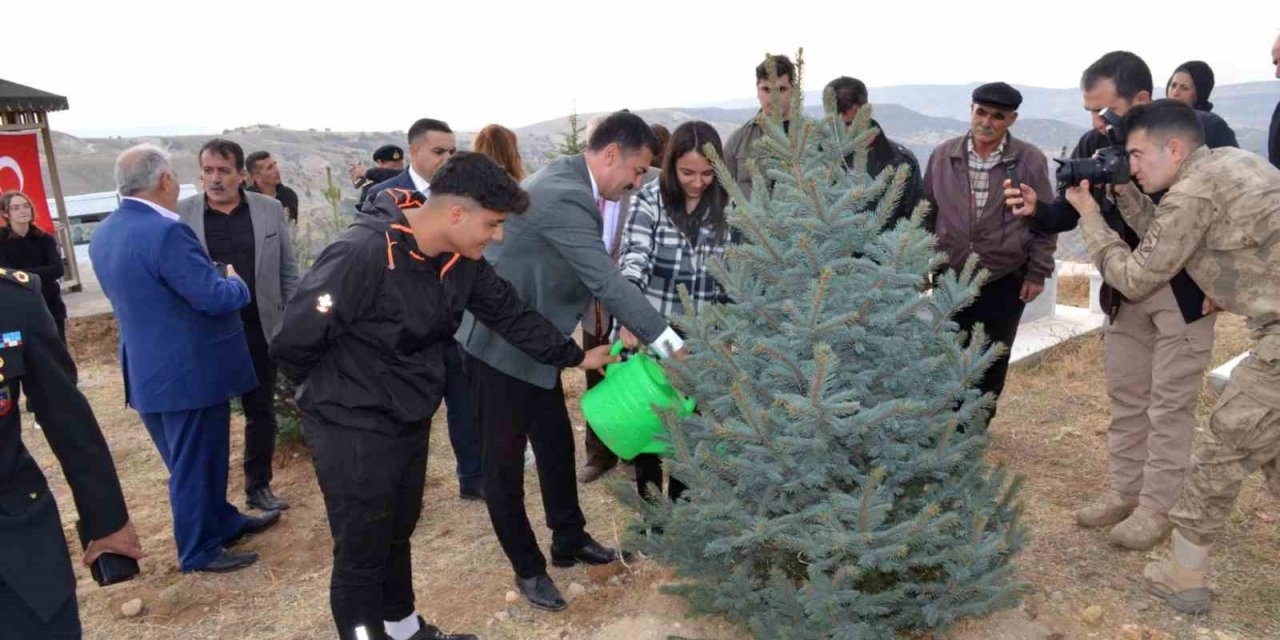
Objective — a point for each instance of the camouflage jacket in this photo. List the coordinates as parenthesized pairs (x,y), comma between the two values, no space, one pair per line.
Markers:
(1221,221)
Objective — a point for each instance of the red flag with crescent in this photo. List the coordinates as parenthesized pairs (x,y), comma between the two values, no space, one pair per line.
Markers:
(20,171)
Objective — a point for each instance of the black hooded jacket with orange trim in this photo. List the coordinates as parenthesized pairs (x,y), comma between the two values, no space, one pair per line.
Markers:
(364,334)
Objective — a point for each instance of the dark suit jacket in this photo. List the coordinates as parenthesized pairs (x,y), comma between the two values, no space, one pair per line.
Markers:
(33,551)
(400,181)
(182,345)
(555,258)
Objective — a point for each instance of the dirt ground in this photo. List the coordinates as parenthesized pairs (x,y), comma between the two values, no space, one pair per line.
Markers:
(1051,429)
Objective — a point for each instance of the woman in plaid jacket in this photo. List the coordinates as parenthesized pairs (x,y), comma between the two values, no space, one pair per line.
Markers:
(677,225)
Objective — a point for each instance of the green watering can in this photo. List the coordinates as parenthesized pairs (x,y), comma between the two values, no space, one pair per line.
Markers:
(621,408)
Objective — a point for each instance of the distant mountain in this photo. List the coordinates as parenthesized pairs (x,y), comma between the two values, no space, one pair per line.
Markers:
(1247,107)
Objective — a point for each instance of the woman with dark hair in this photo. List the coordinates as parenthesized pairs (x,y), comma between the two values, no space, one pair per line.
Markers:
(664,137)
(500,144)
(1191,84)
(26,247)
(677,225)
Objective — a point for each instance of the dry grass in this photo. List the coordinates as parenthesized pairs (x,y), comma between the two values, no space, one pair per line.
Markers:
(1073,291)
(1051,429)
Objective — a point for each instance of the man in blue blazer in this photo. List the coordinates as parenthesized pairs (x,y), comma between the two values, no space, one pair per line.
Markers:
(183,353)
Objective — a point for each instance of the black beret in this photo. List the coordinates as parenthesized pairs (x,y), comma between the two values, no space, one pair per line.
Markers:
(998,94)
(388,153)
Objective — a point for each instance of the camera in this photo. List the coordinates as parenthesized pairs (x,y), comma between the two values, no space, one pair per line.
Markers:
(1110,165)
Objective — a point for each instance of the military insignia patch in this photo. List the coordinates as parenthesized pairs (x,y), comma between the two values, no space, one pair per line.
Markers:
(1148,244)
(6,402)
(11,339)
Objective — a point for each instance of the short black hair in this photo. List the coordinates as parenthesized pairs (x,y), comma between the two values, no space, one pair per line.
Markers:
(1126,69)
(476,177)
(251,161)
(1166,118)
(849,92)
(224,148)
(423,125)
(782,66)
(628,130)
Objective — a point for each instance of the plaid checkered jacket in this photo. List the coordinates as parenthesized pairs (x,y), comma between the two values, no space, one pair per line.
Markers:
(658,257)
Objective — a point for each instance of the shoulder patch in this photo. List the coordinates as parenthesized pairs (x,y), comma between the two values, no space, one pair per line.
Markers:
(15,276)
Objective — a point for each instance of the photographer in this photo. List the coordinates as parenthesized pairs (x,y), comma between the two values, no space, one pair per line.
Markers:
(1218,222)
(1156,347)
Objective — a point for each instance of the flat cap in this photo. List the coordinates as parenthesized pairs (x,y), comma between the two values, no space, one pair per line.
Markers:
(388,153)
(998,94)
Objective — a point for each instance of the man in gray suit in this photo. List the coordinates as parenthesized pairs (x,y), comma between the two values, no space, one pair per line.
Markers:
(248,231)
(554,256)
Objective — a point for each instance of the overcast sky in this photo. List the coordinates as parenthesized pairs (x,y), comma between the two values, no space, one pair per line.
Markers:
(132,67)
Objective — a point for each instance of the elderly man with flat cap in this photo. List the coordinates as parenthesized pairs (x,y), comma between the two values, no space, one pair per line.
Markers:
(968,212)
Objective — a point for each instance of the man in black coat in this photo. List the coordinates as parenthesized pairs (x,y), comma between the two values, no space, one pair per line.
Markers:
(37,585)
(851,95)
(388,160)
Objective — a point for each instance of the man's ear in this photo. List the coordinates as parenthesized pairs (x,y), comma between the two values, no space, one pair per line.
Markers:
(1179,149)
(455,214)
(1142,97)
(1013,117)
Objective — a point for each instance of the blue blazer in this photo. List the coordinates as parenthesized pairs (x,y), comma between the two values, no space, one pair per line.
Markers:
(400,181)
(182,344)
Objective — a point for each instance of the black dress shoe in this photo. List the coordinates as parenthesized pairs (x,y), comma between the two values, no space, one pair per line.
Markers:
(254,525)
(430,632)
(541,592)
(265,500)
(229,561)
(471,493)
(591,552)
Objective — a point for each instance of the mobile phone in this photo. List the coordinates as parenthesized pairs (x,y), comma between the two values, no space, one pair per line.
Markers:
(1011,171)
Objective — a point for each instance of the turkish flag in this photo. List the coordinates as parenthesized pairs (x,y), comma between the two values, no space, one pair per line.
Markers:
(20,171)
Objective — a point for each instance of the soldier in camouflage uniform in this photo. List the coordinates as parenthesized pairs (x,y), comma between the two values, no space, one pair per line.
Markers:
(1221,222)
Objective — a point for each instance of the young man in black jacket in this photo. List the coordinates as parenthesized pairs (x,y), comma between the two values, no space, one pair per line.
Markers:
(363,336)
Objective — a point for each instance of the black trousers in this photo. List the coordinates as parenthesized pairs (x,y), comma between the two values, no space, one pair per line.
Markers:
(259,413)
(464,433)
(598,455)
(513,412)
(998,308)
(649,478)
(372,485)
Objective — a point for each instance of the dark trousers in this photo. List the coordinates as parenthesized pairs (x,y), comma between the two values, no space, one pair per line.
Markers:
(259,413)
(598,455)
(649,478)
(998,308)
(464,432)
(19,622)
(372,485)
(513,412)
(195,446)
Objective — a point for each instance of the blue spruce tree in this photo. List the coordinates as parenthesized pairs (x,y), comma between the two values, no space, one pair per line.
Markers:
(838,482)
